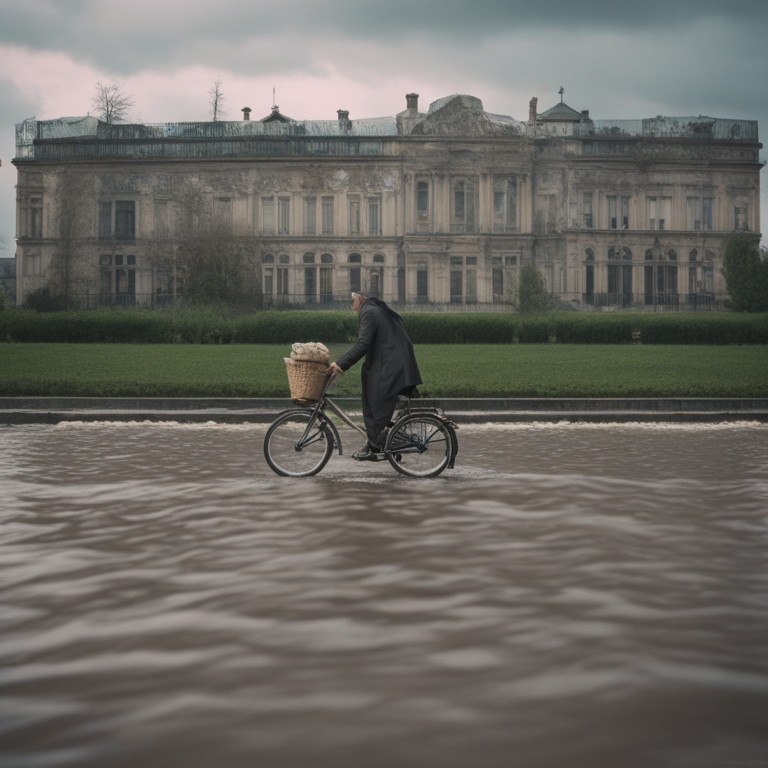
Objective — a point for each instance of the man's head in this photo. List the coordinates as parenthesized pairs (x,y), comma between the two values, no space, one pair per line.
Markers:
(358,299)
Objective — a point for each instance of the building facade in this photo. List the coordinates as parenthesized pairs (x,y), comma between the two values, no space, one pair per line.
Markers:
(424,208)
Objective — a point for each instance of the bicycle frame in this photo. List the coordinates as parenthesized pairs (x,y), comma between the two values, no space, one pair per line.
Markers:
(325,403)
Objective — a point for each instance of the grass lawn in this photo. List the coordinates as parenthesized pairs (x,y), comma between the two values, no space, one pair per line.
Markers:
(513,370)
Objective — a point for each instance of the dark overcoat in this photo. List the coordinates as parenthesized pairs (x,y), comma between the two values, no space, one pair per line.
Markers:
(390,364)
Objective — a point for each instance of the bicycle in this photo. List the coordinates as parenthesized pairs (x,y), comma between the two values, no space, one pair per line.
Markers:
(420,443)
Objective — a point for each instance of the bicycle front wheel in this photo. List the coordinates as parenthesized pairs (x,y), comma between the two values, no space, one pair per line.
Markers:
(292,450)
(419,446)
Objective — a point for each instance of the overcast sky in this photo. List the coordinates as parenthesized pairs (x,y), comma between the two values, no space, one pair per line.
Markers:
(617,58)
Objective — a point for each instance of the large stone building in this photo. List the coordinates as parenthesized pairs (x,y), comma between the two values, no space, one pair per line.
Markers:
(436,207)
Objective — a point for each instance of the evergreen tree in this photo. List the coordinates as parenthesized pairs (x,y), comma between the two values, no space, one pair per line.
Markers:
(532,291)
(746,275)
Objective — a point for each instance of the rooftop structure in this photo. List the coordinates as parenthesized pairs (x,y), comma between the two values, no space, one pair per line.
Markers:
(78,137)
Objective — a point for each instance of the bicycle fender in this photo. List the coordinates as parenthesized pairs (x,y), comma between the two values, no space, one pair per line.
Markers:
(335,432)
(452,426)
(454,446)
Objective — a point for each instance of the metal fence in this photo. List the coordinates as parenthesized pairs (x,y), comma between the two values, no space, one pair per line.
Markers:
(597,302)
(641,302)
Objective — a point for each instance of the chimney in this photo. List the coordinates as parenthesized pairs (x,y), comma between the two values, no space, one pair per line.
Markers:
(344,122)
(246,113)
(412,101)
(585,113)
(532,110)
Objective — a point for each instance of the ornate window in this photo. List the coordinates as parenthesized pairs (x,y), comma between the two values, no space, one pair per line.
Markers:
(310,215)
(327,216)
(283,215)
(374,216)
(505,204)
(659,212)
(463,206)
(36,217)
(123,224)
(618,212)
(422,204)
(699,212)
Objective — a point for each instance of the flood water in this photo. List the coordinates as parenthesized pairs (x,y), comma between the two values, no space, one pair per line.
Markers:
(569,595)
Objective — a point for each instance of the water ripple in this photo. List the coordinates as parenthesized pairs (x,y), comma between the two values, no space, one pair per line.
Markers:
(588,594)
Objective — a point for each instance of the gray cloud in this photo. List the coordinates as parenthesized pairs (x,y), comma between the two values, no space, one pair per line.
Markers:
(617,59)
(129,38)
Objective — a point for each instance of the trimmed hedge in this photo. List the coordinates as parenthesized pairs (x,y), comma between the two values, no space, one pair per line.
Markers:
(211,326)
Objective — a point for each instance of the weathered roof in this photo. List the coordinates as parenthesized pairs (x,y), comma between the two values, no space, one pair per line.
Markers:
(458,115)
(561,111)
(464,115)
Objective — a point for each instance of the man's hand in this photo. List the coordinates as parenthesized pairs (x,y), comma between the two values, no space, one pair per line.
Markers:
(334,369)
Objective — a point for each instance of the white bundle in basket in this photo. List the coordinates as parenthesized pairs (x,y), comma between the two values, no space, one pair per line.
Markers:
(311,352)
(306,379)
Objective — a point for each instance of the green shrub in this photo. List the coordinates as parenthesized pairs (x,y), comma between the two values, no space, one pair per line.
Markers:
(746,275)
(532,293)
(211,325)
(44,300)
(459,328)
(713,328)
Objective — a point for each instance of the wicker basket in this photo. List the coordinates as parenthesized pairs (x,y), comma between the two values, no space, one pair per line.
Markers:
(305,379)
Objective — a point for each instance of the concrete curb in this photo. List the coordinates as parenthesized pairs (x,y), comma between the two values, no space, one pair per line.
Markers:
(45,410)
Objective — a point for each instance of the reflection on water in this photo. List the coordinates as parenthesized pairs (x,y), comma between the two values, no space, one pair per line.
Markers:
(568,595)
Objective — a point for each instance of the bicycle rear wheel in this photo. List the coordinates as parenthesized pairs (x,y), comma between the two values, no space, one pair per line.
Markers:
(289,455)
(419,445)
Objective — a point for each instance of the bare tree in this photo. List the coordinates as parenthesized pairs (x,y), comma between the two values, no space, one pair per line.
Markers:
(202,257)
(111,103)
(217,101)
(70,270)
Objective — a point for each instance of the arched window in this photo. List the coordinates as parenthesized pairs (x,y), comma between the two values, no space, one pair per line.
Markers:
(660,280)
(269,258)
(619,277)
(354,258)
(378,258)
(309,258)
(326,258)
(119,260)
(285,258)
(590,254)
(693,255)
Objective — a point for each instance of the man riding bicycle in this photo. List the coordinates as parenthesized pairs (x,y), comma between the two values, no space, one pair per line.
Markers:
(389,369)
